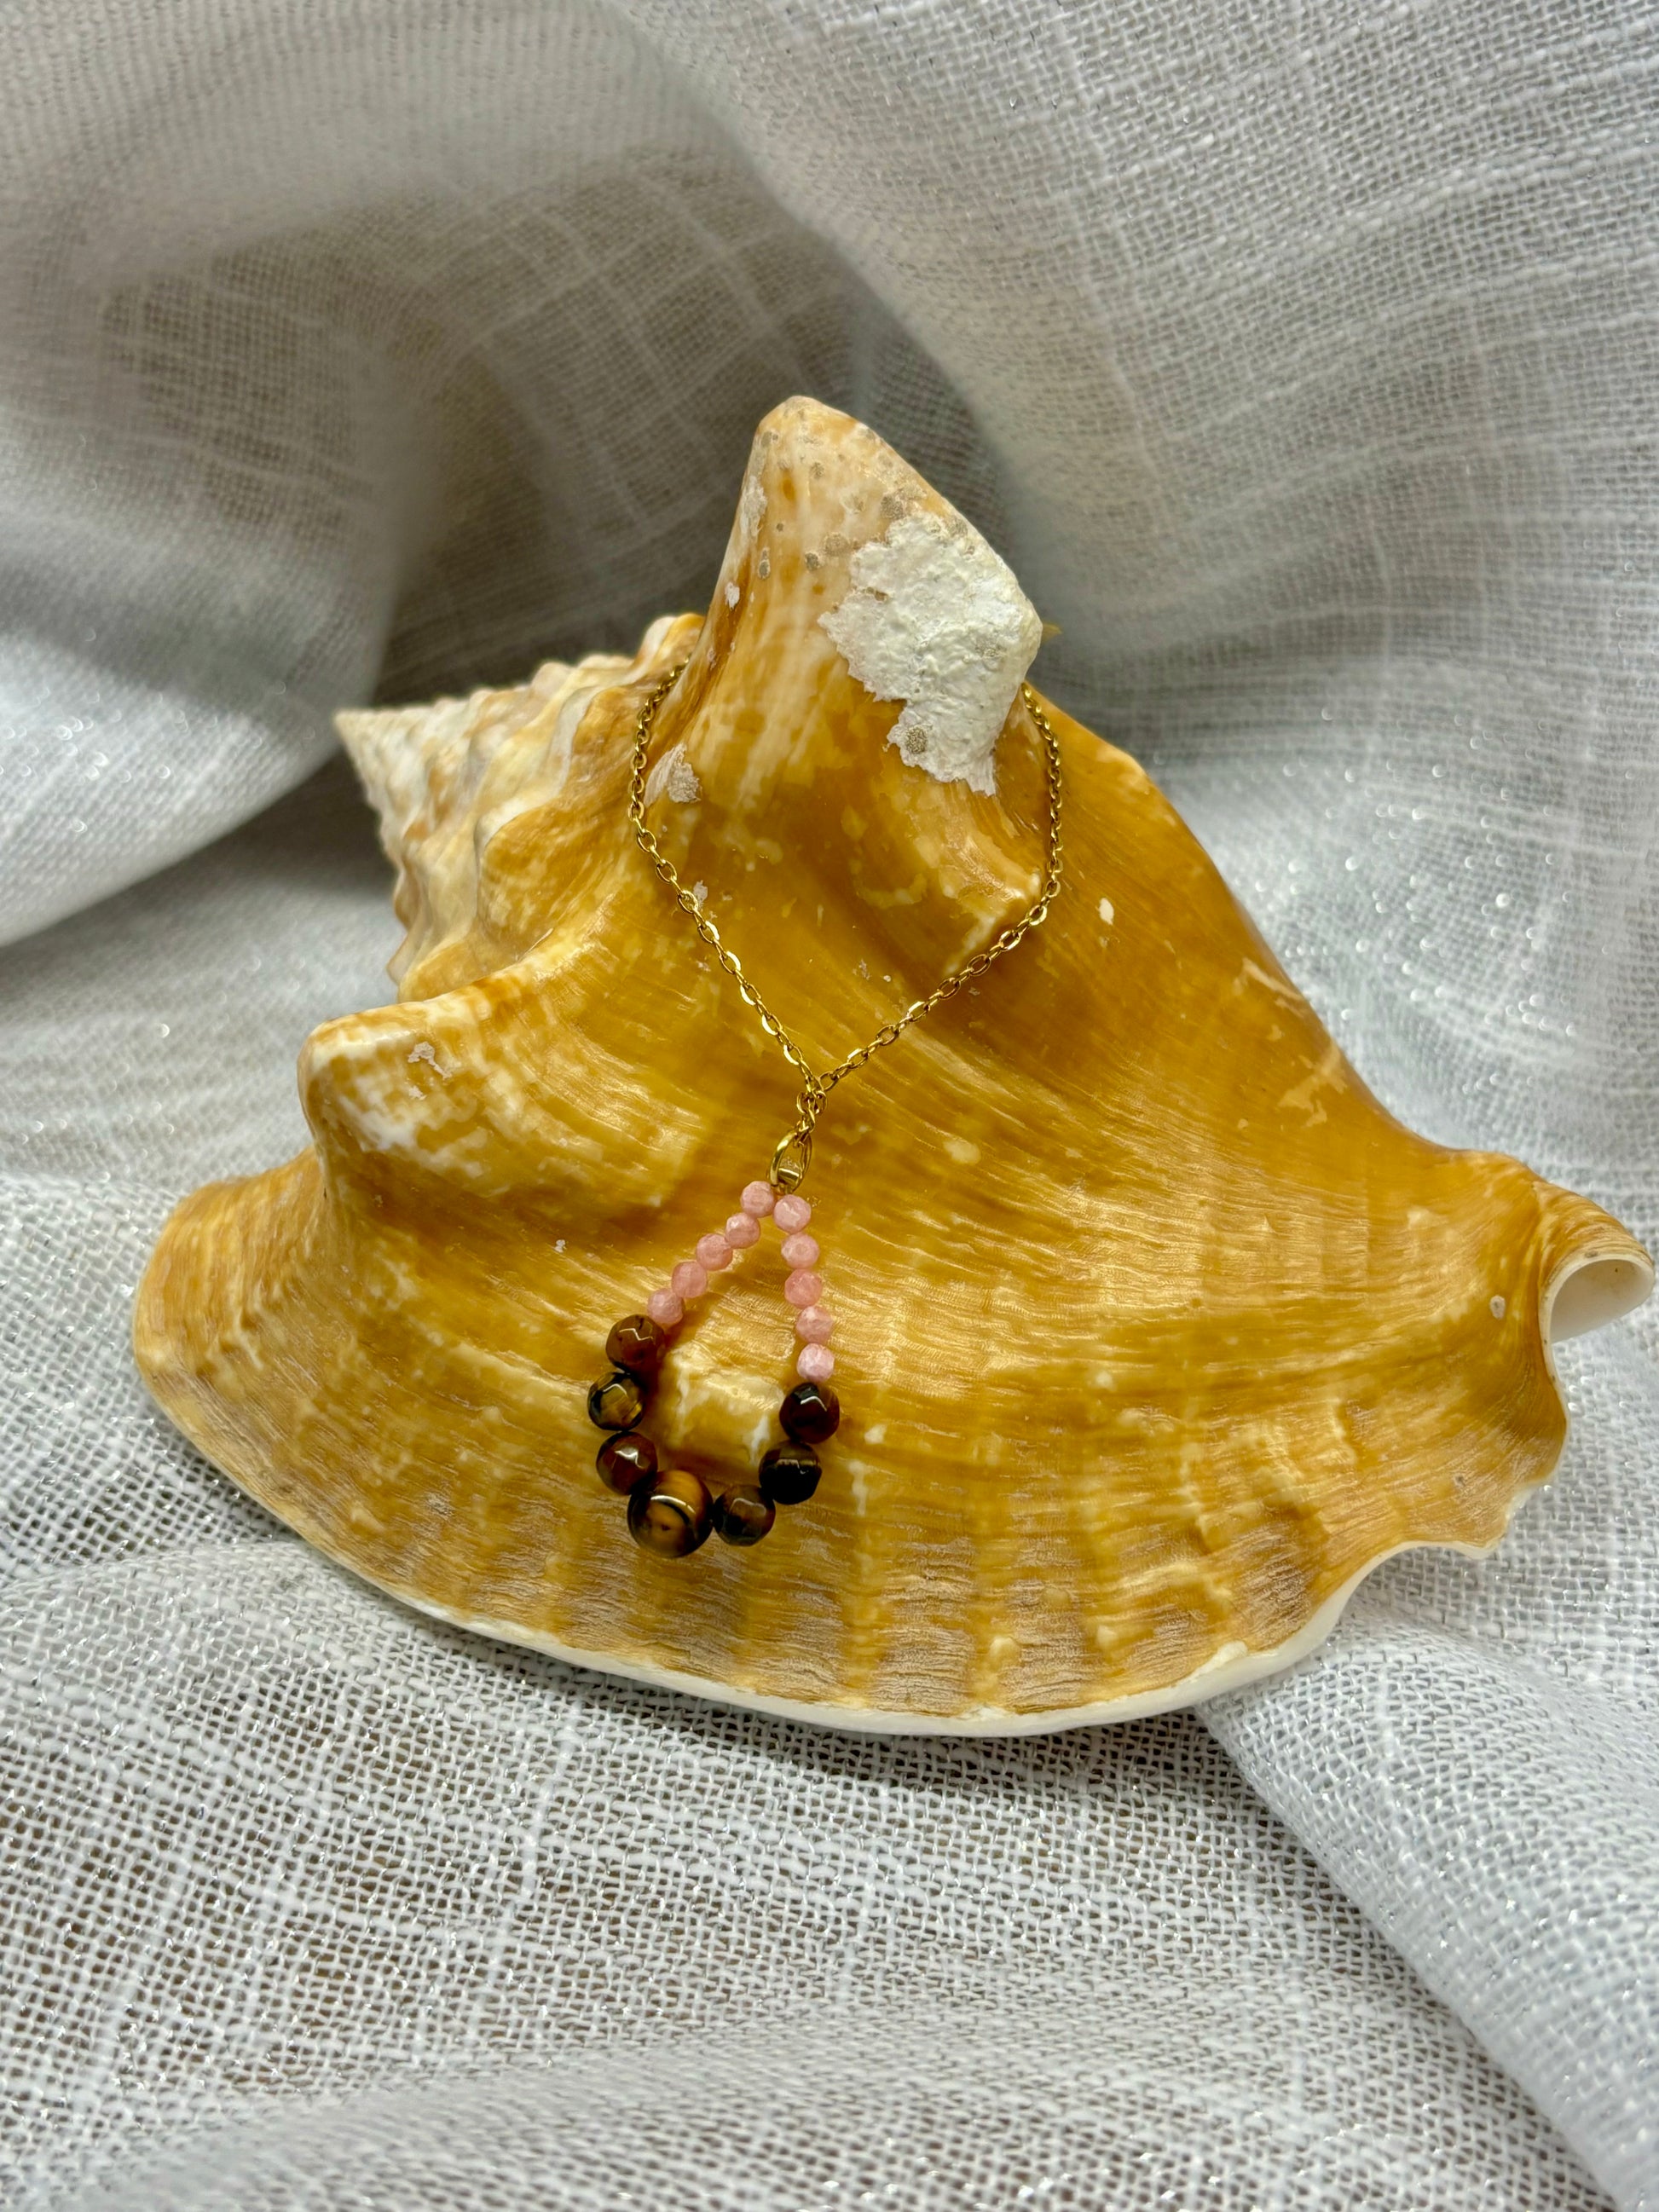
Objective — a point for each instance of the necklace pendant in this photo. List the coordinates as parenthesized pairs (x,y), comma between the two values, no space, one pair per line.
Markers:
(671,1510)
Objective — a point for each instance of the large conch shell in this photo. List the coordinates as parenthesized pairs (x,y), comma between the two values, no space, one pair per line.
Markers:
(1156,1332)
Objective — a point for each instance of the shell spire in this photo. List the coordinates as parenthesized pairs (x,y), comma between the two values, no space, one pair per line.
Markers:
(1155,1332)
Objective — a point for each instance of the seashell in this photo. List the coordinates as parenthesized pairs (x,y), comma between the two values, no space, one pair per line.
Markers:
(1156,1332)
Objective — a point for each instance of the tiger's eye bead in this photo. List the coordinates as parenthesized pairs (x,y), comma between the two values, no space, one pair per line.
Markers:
(789,1475)
(636,1343)
(743,1516)
(811,1412)
(672,1515)
(624,1462)
(617,1401)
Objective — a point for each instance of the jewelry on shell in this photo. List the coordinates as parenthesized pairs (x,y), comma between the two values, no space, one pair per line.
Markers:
(671,1510)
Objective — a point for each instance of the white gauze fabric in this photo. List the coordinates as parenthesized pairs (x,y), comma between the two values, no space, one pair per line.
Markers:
(1301,363)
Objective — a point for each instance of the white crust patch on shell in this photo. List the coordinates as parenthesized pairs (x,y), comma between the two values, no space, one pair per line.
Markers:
(674,775)
(935,618)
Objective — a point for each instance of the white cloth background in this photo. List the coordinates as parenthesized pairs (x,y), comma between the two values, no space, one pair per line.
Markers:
(1302,361)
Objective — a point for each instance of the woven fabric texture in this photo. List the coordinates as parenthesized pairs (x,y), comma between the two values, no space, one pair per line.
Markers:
(1301,363)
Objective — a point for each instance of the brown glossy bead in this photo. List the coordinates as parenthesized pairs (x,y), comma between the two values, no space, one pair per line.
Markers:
(637,1343)
(789,1475)
(624,1462)
(743,1516)
(617,1401)
(811,1412)
(672,1515)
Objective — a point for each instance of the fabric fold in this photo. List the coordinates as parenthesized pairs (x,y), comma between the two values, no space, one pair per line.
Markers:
(1476,1761)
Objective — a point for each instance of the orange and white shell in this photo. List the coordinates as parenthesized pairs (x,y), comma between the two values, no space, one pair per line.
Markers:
(1156,1332)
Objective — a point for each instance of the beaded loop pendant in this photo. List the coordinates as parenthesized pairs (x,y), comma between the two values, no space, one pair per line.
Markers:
(671,1512)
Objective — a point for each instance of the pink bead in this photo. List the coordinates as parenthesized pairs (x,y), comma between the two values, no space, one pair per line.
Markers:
(816,1324)
(690,1278)
(790,1213)
(816,1363)
(714,1251)
(664,1308)
(742,1231)
(801,1251)
(802,1288)
(756,1200)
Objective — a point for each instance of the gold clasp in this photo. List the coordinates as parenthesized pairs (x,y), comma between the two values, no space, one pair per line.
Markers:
(791,1160)
(793,1153)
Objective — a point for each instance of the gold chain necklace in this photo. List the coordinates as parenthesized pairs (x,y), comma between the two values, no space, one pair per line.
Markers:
(671,1512)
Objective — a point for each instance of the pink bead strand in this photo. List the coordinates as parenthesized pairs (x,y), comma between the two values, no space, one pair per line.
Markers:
(816,1363)
(802,1288)
(816,1324)
(742,1231)
(665,1308)
(757,1199)
(713,1252)
(789,1213)
(690,1278)
(801,1250)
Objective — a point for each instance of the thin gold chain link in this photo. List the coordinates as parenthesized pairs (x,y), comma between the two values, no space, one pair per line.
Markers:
(794,1149)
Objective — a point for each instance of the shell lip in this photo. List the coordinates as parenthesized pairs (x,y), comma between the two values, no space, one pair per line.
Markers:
(1235,1667)
(1217,1678)
(1600,1283)
(1601,1279)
